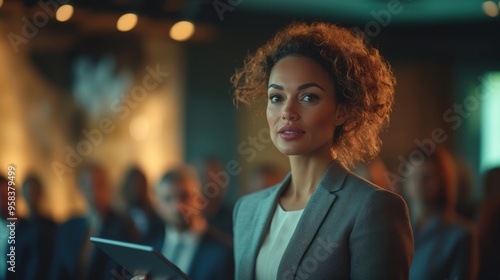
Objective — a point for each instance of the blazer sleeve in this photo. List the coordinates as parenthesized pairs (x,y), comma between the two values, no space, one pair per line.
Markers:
(381,241)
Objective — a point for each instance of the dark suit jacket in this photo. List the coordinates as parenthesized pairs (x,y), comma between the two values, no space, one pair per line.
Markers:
(213,259)
(41,249)
(70,238)
(222,221)
(101,266)
(25,251)
(70,260)
(444,249)
(155,226)
(350,229)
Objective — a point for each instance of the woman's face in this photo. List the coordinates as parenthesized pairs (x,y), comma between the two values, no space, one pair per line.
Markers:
(301,108)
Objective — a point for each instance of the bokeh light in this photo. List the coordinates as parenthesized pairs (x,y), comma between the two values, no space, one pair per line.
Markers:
(182,31)
(127,22)
(490,8)
(64,13)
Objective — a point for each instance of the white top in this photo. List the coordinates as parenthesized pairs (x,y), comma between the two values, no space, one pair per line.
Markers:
(180,248)
(282,227)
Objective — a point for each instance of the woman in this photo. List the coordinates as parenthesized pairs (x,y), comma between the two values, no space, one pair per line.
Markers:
(328,97)
(445,246)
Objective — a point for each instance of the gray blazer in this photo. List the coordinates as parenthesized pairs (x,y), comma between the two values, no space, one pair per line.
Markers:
(350,229)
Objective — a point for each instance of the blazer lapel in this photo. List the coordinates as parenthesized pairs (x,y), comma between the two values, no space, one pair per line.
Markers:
(264,215)
(315,212)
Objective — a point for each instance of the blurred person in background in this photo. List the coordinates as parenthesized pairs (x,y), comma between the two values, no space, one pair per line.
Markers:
(263,176)
(489,226)
(71,236)
(4,233)
(214,185)
(24,238)
(43,227)
(466,207)
(103,221)
(188,240)
(139,206)
(375,172)
(445,246)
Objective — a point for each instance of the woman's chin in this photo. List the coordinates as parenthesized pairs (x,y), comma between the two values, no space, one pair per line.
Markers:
(290,151)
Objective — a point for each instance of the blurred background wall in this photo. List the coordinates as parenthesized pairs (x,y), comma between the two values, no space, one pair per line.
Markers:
(79,90)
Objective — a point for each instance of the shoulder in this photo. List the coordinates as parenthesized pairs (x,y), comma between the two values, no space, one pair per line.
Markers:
(213,244)
(120,227)
(373,207)
(457,228)
(212,236)
(354,189)
(117,219)
(371,195)
(76,222)
(260,194)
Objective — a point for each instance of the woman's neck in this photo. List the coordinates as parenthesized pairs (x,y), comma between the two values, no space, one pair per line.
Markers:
(306,173)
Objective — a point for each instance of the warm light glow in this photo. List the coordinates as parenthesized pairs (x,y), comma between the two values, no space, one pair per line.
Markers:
(126,22)
(64,13)
(139,127)
(1,3)
(490,8)
(182,31)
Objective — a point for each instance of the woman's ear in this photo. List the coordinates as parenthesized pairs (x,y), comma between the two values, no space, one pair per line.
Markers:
(341,115)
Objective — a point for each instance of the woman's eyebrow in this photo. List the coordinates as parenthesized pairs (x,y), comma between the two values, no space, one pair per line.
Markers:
(302,87)
(308,85)
(275,87)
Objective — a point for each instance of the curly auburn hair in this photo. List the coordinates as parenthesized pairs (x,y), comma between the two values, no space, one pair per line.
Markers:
(363,82)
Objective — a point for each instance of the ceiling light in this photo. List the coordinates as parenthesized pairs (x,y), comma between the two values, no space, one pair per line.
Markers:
(490,8)
(127,22)
(64,13)
(182,31)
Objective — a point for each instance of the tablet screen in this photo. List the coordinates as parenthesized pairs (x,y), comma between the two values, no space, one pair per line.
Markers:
(139,259)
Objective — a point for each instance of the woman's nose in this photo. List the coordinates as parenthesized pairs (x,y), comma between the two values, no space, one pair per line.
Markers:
(290,111)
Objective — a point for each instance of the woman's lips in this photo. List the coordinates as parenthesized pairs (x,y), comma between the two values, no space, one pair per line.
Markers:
(289,132)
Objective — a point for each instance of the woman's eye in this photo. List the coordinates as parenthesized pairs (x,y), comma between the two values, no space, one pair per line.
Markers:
(310,98)
(274,98)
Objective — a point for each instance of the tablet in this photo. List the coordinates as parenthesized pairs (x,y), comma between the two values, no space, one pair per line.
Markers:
(140,259)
